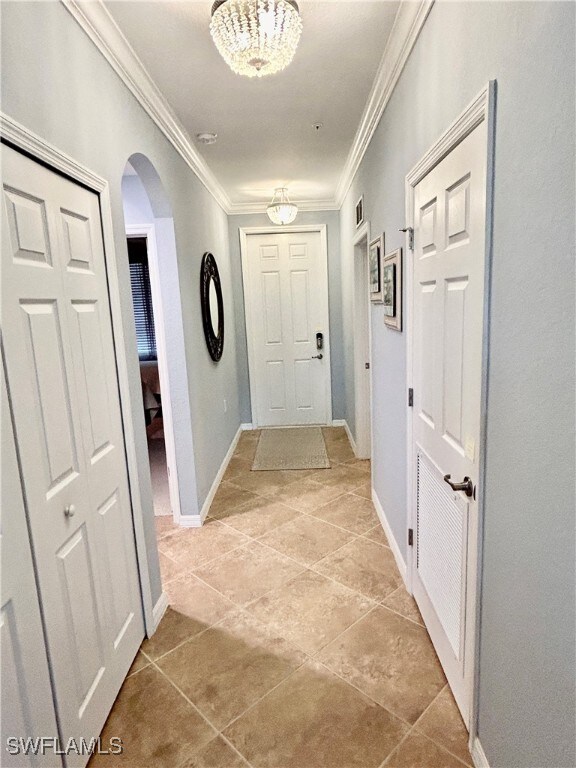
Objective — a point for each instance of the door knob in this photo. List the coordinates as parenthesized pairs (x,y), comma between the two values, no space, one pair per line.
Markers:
(466,485)
(69,510)
(317,357)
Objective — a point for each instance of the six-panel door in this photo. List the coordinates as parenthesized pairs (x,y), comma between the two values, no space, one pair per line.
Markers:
(62,377)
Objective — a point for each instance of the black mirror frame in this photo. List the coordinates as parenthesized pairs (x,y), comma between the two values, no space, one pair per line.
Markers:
(208,272)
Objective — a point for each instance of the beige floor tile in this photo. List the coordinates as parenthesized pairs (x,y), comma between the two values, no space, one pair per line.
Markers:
(343,476)
(230,666)
(442,723)
(307,495)
(216,754)
(169,569)
(191,597)
(195,546)
(315,720)
(310,610)
(416,751)
(391,659)
(377,534)
(158,727)
(364,490)
(339,452)
(140,661)
(349,511)
(164,525)
(238,465)
(172,630)
(306,539)
(364,465)
(257,516)
(401,602)
(363,566)
(335,434)
(265,483)
(248,572)
(228,497)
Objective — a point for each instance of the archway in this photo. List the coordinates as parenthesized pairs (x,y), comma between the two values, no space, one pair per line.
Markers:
(149,227)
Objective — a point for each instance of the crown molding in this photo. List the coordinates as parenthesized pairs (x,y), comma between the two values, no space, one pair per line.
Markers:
(240,209)
(407,25)
(98,24)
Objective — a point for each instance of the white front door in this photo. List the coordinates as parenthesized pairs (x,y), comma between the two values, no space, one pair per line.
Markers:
(62,377)
(448,299)
(286,294)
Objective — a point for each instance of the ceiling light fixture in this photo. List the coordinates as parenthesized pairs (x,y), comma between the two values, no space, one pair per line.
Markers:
(207,138)
(281,210)
(256,37)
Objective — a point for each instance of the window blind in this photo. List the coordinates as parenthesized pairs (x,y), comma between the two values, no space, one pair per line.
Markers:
(142,298)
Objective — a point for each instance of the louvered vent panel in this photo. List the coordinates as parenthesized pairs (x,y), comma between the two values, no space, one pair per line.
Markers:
(440,544)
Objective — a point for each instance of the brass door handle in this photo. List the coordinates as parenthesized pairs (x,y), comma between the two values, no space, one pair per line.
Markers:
(466,485)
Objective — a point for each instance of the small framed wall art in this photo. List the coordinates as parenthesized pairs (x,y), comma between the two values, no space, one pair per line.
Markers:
(359,212)
(375,253)
(392,289)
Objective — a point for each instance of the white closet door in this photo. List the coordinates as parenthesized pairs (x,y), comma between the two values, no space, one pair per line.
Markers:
(26,705)
(62,376)
(288,305)
(448,285)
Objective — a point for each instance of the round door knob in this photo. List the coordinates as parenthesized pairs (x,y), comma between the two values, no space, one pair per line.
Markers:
(69,510)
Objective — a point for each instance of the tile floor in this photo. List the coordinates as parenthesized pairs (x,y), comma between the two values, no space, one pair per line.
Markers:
(290,641)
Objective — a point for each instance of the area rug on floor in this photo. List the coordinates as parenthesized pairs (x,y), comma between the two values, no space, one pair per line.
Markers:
(291,448)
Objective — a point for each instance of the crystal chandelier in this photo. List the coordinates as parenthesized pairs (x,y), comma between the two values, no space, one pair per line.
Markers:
(281,210)
(256,37)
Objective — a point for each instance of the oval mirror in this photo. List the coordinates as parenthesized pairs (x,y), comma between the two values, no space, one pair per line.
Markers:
(212,306)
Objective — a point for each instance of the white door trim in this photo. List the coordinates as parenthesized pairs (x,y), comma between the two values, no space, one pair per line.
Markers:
(22,138)
(482,108)
(362,407)
(149,232)
(245,232)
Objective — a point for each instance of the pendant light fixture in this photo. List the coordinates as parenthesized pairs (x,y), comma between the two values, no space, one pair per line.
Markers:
(256,37)
(281,210)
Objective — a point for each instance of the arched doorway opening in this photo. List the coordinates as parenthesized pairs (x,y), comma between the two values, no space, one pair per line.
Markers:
(149,227)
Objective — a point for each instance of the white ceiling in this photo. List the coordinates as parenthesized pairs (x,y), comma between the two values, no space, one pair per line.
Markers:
(265,128)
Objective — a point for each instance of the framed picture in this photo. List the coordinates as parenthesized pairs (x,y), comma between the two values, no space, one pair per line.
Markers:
(392,289)
(360,211)
(375,252)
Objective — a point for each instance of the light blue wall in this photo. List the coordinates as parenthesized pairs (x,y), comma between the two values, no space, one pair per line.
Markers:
(56,83)
(332,221)
(527,650)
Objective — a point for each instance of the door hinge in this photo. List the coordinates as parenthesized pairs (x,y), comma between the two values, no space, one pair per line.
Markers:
(410,397)
(367,366)
(410,537)
(410,231)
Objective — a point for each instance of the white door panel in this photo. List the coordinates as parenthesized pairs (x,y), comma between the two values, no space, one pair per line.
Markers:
(27,707)
(61,370)
(287,304)
(448,295)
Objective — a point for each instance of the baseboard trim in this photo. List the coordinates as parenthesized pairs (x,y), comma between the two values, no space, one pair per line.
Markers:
(246,426)
(338,422)
(478,755)
(159,609)
(400,562)
(351,438)
(199,519)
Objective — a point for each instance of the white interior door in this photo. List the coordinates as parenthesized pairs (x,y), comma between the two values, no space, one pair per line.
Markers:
(26,703)
(286,293)
(448,297)
(362,352)
(62,377)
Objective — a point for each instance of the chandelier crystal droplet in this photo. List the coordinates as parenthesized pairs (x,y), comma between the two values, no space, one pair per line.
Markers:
(256,37)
